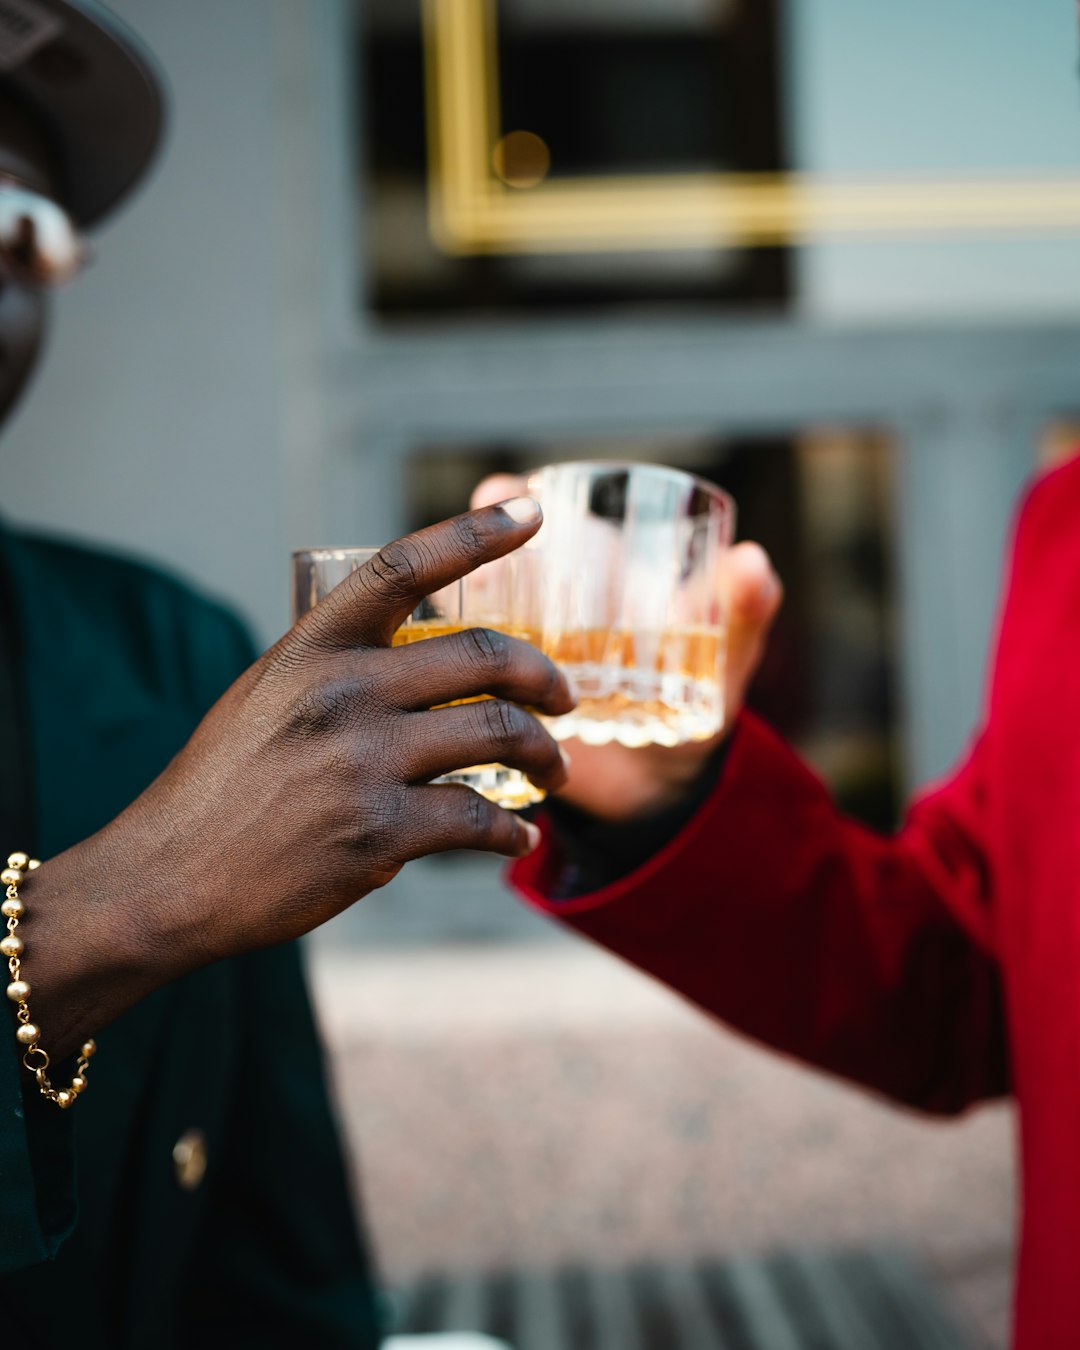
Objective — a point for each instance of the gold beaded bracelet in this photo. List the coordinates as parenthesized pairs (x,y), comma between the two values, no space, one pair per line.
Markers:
(34,1059)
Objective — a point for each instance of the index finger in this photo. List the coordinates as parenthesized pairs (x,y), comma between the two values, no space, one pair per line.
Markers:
(368,607)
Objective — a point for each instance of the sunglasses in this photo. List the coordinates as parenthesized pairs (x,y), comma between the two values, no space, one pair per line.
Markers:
(39,242)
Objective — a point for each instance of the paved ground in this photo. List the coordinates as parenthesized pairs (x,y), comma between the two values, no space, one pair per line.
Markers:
(522,1105)
(870,1300)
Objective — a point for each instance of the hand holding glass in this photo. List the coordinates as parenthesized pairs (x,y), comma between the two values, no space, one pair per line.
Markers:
(493,597)
(620,587)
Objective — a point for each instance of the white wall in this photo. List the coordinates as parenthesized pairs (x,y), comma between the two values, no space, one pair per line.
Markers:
(934,88)
(166,416)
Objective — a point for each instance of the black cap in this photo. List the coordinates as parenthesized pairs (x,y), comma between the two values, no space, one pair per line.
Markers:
(95,90)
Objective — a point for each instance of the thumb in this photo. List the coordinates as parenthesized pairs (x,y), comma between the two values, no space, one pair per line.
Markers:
(754,596)
(754,591)
(496,488)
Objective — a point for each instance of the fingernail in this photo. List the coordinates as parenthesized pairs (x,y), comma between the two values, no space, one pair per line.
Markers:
(532,836)
(523,510)
(567,761)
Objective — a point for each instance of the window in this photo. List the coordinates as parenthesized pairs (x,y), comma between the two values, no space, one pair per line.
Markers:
(522,155)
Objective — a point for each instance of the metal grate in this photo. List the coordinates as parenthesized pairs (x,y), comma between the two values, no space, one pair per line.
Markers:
(791,1301)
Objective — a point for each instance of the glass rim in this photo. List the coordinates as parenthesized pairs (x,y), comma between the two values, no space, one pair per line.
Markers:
(330,553)
(640,466)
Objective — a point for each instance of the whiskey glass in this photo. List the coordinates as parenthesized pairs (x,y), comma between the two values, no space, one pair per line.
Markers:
(627,597)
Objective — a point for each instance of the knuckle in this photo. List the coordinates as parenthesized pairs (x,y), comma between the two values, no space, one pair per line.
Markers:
(501,723)
(333,705)
(321,709)
(477,812)
(378,827)
(469,538)
(397,569)
(489,649)
(482,819)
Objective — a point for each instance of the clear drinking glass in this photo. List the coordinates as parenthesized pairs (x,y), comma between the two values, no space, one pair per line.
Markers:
(625,590)
(498,595)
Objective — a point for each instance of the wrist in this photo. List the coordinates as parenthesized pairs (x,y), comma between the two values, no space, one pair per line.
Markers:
(85,960)
(623,786)
(596,851)
(681,786)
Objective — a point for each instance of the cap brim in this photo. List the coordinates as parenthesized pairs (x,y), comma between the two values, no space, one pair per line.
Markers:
(96,91)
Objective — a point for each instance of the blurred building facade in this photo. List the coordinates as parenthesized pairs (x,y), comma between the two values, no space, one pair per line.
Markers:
(290,355)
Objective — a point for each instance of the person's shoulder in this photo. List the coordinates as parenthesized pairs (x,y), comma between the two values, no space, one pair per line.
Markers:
(1056,488)
(86,566)
(103,575)
(120,594)
(1047,524)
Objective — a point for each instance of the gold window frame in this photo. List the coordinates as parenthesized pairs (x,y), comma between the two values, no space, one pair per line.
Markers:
(471,211)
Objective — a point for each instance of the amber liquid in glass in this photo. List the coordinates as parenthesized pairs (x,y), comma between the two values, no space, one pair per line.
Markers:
(503,786)
(640,686)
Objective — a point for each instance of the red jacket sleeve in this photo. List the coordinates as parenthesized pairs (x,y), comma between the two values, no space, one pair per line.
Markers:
(871,957)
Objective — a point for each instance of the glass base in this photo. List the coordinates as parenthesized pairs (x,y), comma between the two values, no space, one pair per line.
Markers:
(636,708)
(505,787)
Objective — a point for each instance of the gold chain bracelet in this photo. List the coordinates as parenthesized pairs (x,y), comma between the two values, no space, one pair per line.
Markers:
(34,1059)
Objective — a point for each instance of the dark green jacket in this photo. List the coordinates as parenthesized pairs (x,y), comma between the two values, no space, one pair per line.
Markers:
(100,1246)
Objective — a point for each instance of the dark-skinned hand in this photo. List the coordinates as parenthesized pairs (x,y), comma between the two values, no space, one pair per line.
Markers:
(304,788)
